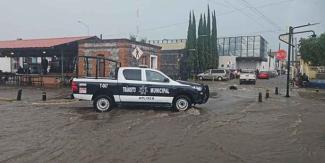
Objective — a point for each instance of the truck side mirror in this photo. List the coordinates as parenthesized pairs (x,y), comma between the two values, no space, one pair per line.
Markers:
(166,80)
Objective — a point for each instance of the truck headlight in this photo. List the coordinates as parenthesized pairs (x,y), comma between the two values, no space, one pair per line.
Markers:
(198,88)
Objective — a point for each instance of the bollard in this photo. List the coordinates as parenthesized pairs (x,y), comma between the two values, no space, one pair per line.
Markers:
(260,97)
(44,96)
(19,94)
(267,94)
(276,90)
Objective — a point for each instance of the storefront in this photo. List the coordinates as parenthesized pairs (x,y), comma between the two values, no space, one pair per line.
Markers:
(55,61)
(49,62)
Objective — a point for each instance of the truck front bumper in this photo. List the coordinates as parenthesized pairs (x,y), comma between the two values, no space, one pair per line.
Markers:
(203,95)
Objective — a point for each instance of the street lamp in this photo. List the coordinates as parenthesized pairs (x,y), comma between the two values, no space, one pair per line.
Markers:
(291,33)
(86,25)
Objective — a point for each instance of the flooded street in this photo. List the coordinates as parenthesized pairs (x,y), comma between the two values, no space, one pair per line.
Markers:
(231,127)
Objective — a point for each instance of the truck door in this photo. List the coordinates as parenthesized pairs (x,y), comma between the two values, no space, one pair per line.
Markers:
(159,88)
(130,85)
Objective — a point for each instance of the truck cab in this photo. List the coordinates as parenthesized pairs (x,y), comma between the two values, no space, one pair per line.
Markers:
(139,86)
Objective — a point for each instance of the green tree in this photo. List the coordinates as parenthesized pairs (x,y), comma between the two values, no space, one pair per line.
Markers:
(214,43)
(202,48)
(133,37)
(200,44)
(191,44)
(313,50)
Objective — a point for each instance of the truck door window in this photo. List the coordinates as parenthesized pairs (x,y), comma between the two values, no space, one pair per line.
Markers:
(154,76)
(130,74)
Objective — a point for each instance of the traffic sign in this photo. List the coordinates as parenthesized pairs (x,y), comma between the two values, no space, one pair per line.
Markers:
(281,54)
(137,53)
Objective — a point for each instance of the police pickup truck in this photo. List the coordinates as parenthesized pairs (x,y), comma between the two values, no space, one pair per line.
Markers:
(139,86)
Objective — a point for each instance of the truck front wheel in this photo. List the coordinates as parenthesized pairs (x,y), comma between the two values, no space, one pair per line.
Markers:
(103,103)
(181,103)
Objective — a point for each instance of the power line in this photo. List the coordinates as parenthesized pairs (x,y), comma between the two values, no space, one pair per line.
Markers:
(235,9)
(260,32)
(238,9)
(254,9)
(261,6)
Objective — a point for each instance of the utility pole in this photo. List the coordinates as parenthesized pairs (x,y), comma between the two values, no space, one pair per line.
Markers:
(291,33)
(289,59)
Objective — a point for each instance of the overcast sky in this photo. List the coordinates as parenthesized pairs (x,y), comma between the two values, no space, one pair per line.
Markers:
(159,19)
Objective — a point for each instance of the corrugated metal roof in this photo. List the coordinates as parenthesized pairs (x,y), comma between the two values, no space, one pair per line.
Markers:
(40,43)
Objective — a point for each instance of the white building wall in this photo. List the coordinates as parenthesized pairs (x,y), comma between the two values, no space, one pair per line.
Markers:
(5,64)
(227,62)
(269,65)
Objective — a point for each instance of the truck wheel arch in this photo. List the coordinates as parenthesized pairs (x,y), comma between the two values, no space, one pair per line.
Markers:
(103,92)
(184,94)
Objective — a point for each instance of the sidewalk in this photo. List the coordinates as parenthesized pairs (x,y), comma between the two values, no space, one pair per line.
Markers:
(31,94)
(317,94)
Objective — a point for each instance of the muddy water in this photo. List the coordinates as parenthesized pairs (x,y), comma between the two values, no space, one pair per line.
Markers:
(231,127)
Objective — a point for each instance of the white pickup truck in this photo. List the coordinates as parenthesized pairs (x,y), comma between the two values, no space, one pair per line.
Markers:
(247,76)
(139,86)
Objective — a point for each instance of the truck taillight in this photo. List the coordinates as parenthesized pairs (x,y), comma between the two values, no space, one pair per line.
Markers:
(74,87)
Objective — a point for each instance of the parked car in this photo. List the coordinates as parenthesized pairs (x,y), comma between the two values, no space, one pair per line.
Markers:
(215,74)
(247,76)
(263,75)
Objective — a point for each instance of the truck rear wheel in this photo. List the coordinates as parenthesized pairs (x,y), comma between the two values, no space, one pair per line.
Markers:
(182,103)
(103,103)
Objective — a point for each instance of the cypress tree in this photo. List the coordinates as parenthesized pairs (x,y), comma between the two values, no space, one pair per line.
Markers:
(200,44)
(214,49)
(188,61)
(189,30)
(208,38)
(194,43)
(205,52)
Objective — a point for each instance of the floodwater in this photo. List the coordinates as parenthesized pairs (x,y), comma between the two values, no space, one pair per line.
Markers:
(231,127)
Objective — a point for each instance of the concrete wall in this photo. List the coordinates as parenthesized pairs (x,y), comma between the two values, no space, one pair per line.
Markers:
(5,64)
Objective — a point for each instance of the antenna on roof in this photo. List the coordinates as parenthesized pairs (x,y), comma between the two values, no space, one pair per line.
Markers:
(138,18)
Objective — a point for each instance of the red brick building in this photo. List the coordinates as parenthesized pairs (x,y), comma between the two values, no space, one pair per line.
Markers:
(117,49)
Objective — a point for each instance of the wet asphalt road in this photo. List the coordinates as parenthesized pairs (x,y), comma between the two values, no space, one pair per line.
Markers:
(231,127)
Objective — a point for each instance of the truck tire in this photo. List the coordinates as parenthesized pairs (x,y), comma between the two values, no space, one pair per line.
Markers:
(103,103)
(181,103)
(219,78)
(200,78)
